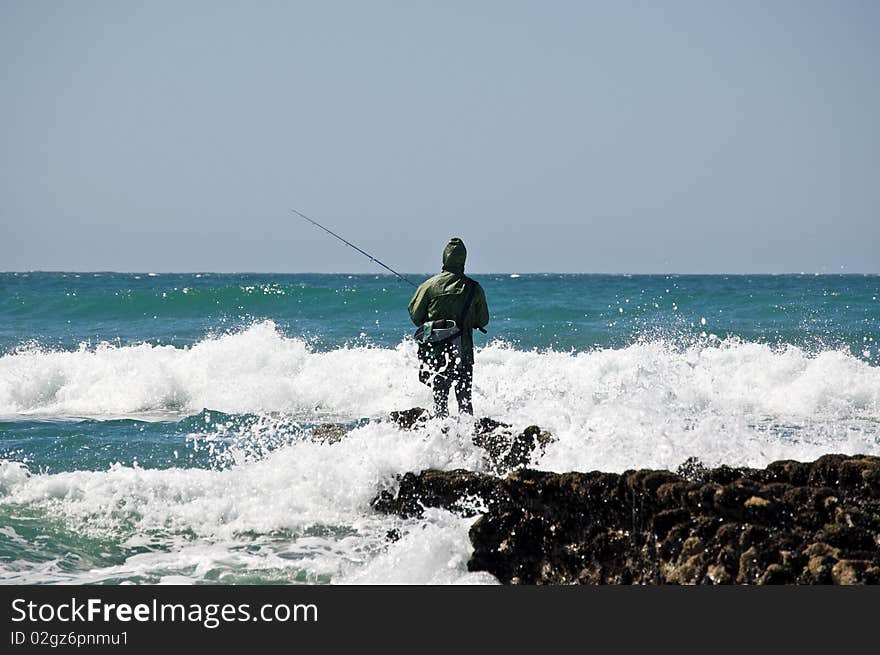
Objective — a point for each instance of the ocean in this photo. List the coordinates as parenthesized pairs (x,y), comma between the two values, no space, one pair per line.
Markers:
(154,428)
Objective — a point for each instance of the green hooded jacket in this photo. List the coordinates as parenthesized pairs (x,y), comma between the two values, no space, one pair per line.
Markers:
(443,297)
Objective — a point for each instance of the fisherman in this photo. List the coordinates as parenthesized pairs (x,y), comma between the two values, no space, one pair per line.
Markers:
(447,358)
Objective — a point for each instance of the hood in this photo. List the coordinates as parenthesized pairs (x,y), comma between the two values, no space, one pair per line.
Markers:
(454,255)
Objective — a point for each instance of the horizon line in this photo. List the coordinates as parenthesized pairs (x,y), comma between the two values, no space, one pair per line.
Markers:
(389,275)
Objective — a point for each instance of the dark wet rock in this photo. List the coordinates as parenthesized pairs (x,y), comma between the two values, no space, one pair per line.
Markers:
(464,492)
(692,469)
(409,418)
(328,433)
(505,448)
(790,523)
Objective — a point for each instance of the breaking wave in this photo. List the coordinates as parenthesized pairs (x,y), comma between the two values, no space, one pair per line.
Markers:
(645,404)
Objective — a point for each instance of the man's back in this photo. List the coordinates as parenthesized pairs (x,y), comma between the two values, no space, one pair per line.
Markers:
(443,297)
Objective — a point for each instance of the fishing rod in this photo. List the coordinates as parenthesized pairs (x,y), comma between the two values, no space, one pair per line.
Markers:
(348,243)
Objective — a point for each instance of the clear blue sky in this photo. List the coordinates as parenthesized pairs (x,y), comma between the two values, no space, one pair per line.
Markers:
(551,136)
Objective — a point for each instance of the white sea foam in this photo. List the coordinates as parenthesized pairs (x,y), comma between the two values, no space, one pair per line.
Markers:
(256,370)
(11,475)
(302,511)
(654,404)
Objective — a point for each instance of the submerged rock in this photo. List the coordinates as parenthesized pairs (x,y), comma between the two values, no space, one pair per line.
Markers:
(505,449)
(328,433)
(793,522)
(409,418)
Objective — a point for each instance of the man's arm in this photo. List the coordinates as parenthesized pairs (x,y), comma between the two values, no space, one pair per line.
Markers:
(481,309)
(418,306)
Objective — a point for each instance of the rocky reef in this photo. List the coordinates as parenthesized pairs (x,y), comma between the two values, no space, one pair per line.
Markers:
(790,523)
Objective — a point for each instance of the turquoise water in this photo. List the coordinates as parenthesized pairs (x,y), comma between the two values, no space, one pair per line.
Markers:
(59,310)
(156,427)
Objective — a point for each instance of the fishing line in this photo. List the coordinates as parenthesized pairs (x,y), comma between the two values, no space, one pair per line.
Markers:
(348,243)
